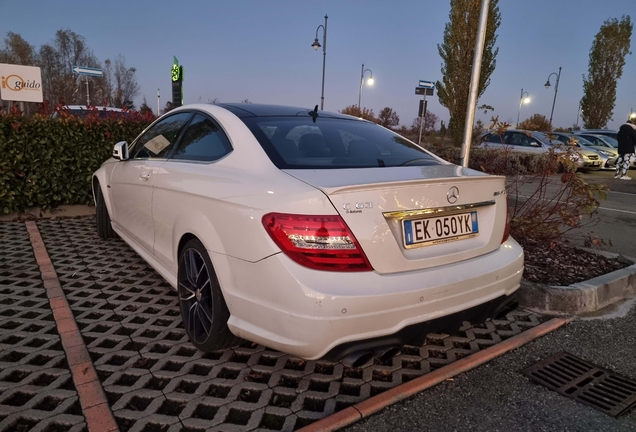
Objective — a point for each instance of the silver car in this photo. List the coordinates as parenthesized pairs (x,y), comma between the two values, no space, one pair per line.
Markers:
(605,132)
(606,141)
(607,153)
(536,142)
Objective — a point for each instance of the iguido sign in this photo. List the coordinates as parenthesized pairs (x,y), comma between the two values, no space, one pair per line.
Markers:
(16,83)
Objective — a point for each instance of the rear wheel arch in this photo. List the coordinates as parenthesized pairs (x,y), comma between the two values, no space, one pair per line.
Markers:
(182,242)
(203,308)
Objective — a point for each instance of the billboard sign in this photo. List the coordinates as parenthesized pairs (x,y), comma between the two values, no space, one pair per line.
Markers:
(20,83)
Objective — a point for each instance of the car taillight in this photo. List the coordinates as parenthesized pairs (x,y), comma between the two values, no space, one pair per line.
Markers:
(317,242)
(506,233)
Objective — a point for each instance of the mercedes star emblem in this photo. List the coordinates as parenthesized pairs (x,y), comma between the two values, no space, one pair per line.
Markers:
(453,195)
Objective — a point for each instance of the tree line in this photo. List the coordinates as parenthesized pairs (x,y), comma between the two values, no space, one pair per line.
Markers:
(390,119)
(606,60)
(118,87)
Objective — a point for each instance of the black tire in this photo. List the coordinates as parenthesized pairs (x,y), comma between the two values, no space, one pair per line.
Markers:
(203,309)
(102,218)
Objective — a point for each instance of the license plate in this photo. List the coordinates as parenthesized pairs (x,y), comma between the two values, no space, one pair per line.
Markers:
(441,229)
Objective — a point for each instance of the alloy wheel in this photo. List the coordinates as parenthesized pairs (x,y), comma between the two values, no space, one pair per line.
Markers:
(195,295)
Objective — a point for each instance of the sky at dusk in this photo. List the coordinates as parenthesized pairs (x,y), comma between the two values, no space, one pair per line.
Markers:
(261,50)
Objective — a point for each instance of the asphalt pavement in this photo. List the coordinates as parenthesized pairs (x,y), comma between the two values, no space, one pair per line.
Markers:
(497,397)
(613,223)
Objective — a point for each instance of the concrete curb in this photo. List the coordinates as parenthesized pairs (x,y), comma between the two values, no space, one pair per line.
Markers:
(61,211)
(372,405)
(583,297)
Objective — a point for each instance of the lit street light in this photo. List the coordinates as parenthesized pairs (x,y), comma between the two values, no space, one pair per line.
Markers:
(522,100)
(369,82)
(556,89)
(316,45)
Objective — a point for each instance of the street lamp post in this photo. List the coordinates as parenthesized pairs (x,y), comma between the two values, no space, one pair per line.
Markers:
(369,81)
(522,100)
(556,89)
(316,45)
(578,113)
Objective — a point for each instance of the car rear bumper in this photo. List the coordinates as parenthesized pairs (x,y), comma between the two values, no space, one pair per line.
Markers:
(308,313)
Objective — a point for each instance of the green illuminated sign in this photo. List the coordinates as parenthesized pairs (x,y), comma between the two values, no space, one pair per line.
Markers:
(175,72)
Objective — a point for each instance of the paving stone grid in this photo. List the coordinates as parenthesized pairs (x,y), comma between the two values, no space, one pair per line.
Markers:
(155,380)
(36,388)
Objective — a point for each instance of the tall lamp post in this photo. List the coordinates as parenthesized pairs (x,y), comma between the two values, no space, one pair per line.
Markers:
(369,81)
(556,89)
(316,45)
(522,100)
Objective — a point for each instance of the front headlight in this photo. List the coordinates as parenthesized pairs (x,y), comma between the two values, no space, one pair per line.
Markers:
(606,153)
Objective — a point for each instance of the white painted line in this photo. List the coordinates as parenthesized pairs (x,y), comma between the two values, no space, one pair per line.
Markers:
(616,210)
(621,193)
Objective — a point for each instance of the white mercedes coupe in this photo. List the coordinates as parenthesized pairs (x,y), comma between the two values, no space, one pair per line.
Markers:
(314,233)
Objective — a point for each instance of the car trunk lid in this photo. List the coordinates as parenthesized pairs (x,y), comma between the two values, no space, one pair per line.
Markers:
(411,218)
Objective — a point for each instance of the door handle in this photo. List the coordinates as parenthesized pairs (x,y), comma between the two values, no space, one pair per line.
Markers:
(144,176)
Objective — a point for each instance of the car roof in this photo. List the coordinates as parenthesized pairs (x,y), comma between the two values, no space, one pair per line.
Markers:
(84,107)
(242,110)
(596,130)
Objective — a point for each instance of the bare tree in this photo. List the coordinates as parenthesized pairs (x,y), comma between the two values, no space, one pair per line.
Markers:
(60,84)
(124,83)
(428,125)
(72,50)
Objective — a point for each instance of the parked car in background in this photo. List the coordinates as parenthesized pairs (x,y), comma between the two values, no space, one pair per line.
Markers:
(607,141)
(537,142)
(314,233)
(604,132)
(83,110)
(607,154)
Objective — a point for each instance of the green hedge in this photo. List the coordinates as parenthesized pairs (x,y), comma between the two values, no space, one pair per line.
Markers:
(47,162)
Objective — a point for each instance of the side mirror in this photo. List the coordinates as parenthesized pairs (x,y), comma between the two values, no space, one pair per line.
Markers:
(120,151)
(535,144)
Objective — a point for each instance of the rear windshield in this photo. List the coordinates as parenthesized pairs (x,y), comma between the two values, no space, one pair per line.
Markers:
(329,143)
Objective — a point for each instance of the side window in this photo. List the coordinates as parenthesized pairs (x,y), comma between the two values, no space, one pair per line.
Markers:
(495,138)
(202,141)
(157,142)
(519,139)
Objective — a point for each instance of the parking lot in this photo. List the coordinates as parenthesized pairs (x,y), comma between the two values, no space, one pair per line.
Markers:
(152,377)
(149,375)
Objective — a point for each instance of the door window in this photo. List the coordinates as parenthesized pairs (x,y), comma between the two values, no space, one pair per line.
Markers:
(202,141)
(495,138)
(157,141)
